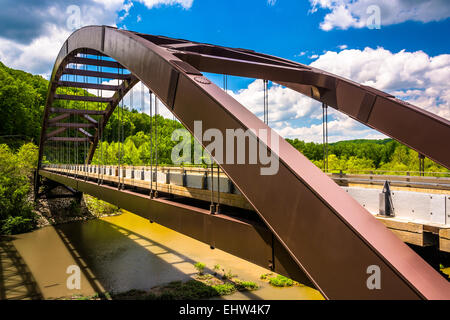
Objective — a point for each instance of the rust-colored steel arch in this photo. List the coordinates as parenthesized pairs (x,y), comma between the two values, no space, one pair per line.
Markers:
(327,233)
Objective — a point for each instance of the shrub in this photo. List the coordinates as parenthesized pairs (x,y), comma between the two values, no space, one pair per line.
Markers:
(18,224)
(99,208)
(15,173)
(265,276)
(224,289)
(200,267)
(281,281)
(228,275)
(246,285)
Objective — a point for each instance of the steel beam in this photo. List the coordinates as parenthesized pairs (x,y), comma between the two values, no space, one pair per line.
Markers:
(54,133)
(95,62)
(82,98)
(59,118)
(72,125)
(87,134)
(87,85)
(91,120)
(96,74)
(76,111)
(69,139)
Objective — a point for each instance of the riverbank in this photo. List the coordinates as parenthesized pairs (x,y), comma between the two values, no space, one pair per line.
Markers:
(122,254)
(55,211)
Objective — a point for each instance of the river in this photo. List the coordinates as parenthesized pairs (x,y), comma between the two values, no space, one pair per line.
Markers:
(117,254)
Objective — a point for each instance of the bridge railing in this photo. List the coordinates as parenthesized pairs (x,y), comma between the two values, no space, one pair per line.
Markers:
(169,174)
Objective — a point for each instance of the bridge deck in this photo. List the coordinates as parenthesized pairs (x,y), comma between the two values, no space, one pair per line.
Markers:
(195,183)
(254,242)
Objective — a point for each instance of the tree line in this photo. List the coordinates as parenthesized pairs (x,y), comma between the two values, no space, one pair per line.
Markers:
(22,101)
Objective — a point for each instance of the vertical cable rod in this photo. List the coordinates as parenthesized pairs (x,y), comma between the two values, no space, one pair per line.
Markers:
(212,206)
(151,143)
(325,136)
(266,101)
(100,123)
(156,145)
(118,131)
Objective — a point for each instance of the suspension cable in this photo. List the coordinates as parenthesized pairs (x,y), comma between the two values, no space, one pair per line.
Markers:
(118,131)
(212,206)
(75,144)
(225,82)
(217,210)
(101,120)
(151,144)
(156,145)
(68,134)
(85,108)
(131,108)
(123,138)
(142,99)
(218,190)
(266,102)
(325,136)
(98,124)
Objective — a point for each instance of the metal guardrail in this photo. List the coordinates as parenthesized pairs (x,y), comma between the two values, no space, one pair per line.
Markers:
(341,178)
(423,182)
(393,172)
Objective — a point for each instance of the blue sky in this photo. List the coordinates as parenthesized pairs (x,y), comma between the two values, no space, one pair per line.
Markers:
(408,55)
(284,29)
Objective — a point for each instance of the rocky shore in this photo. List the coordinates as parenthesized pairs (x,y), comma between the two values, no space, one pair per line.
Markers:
(53,211)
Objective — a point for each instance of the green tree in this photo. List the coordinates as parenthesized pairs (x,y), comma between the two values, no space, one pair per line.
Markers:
(15,172)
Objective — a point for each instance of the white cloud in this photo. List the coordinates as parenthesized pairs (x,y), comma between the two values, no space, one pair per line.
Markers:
(38,54)
(271,2)
(186,4)
(36,57)
(284,104)
(32,32)
(411,76)
(343,46)
(344,14)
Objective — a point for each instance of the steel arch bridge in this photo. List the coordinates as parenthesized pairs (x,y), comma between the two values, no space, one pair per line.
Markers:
(305,226)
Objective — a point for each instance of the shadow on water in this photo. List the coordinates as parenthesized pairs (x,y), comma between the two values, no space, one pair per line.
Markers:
(16,280)
(116,259)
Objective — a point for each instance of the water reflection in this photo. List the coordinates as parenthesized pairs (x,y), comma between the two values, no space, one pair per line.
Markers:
(16,280)
(127,252)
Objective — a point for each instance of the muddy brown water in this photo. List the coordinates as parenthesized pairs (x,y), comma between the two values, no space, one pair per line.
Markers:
(117,254)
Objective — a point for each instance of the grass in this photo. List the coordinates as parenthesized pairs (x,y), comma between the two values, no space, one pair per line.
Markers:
(246,285)
(224,289)
(279,280)
(204,286)
(228,275)
(200,267)
(100,208)
(265,276)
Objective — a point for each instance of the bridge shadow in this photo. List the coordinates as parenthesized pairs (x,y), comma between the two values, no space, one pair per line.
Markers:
(116,259)
(16,279)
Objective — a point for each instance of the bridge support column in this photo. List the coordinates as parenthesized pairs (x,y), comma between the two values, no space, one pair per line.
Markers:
(50,185)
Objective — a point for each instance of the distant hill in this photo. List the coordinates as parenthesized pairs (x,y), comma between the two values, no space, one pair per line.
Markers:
(363,141)
(22,100)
